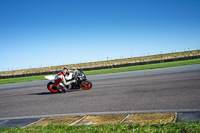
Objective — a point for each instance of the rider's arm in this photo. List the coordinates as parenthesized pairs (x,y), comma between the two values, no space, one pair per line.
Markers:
(64,81)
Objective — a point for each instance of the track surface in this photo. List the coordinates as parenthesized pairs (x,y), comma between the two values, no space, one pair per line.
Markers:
(158,89)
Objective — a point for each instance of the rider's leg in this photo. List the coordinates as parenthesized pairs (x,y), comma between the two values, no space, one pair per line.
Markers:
(57,82)
(62,87)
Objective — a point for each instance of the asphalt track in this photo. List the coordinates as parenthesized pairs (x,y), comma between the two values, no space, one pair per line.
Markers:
(157,90)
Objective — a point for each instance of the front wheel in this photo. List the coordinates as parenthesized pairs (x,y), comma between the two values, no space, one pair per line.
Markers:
(52,88)
(86,85)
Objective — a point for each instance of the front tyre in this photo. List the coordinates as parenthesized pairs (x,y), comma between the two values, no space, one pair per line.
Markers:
(86,85)
(52,88)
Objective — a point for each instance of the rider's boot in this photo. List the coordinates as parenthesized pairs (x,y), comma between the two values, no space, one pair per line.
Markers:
(69,87)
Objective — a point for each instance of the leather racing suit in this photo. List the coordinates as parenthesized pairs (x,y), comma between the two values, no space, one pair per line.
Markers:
(61,82)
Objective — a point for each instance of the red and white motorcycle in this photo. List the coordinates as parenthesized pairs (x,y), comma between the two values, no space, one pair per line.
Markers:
(79,82)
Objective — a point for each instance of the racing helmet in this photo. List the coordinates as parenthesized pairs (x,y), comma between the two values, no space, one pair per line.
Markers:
(65,71)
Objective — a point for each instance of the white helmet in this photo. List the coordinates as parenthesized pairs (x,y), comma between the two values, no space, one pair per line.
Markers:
(65,71)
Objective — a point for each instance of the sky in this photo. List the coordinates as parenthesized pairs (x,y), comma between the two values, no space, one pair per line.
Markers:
(42,33)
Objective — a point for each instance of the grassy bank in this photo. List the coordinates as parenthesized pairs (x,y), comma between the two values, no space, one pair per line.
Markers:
(144,67)
(179,127)
(112,70)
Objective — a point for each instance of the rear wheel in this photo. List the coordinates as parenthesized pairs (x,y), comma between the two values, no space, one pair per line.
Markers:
(86,85)
(52,88)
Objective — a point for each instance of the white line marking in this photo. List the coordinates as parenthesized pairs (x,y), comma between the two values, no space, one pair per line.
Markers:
(102,113)
(77,121)
(124,118)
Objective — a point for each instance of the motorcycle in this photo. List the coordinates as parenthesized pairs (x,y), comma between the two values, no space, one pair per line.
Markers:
(79,82)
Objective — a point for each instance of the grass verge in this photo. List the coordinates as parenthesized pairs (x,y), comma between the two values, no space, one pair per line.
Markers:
(111,70)
(179,127)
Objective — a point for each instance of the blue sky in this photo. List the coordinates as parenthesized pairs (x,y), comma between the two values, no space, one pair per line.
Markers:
(40,33)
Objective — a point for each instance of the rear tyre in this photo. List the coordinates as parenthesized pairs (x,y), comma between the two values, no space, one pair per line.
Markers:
(86,85)
(52,88)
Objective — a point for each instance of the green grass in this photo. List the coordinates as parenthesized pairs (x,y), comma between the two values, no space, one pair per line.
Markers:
(144,67)
(22,79)
(179,127)
(112,70)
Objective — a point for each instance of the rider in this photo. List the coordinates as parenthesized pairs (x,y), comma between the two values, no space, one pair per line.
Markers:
(60,78)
